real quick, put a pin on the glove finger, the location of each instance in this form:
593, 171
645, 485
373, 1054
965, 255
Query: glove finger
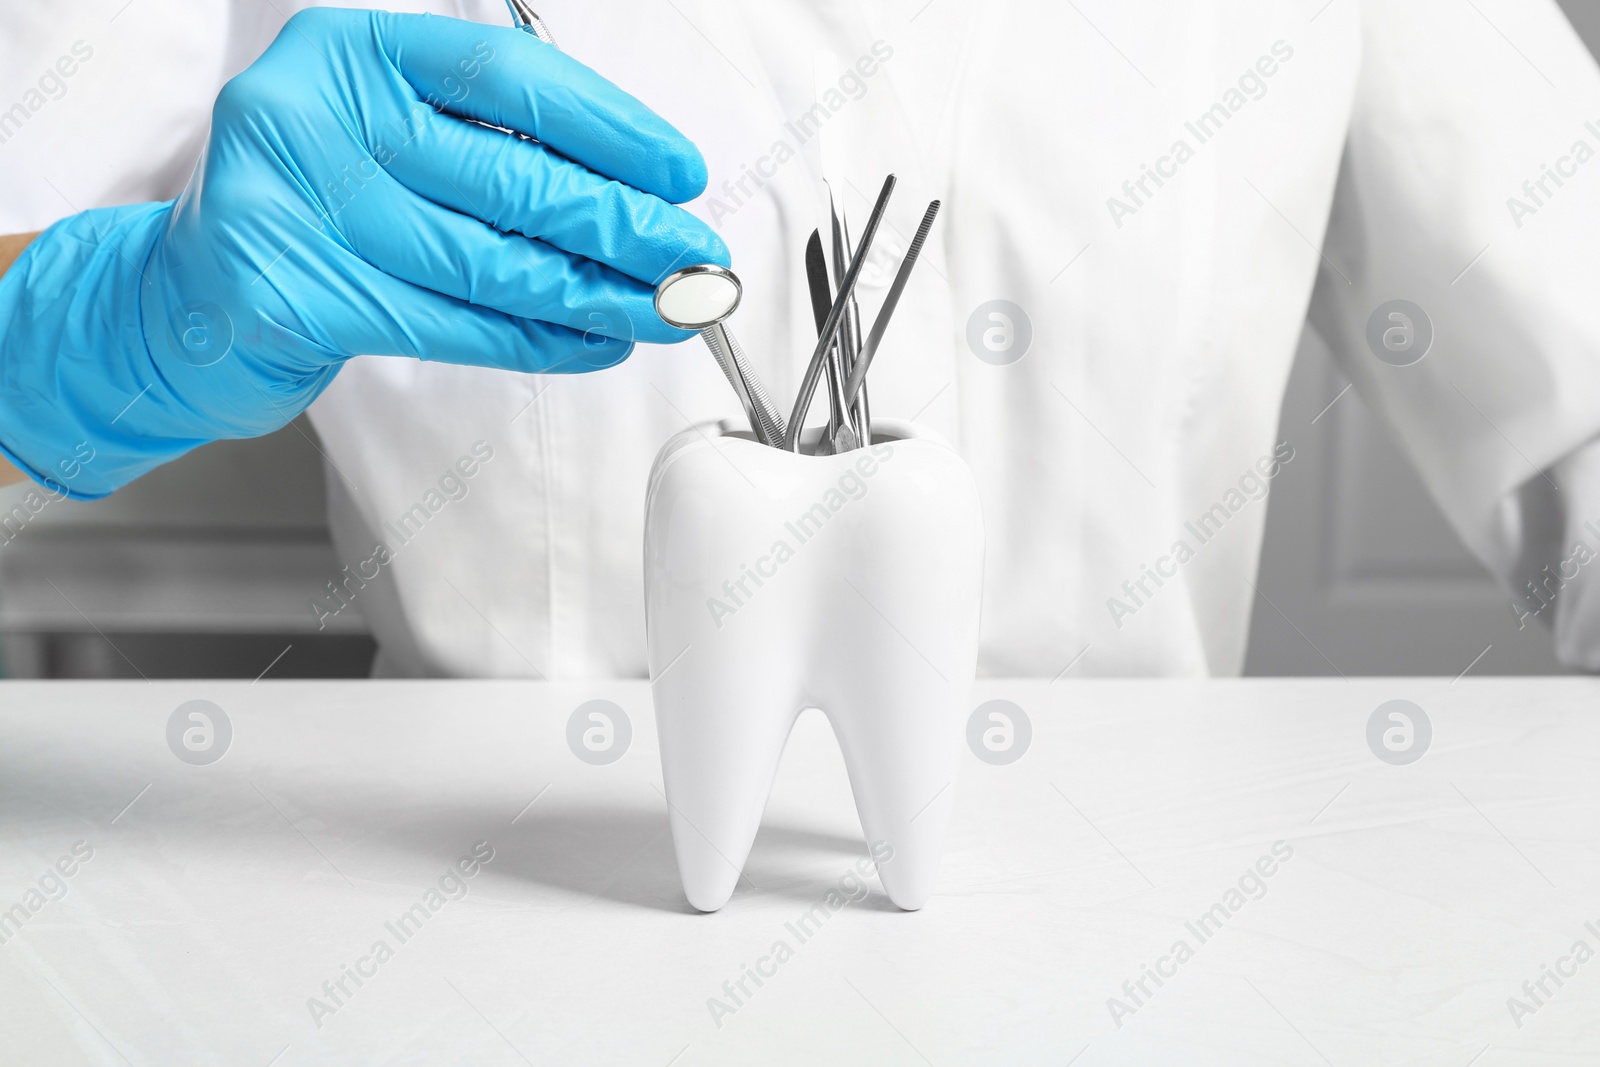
508, 78
431, 246
391, 317
518, 186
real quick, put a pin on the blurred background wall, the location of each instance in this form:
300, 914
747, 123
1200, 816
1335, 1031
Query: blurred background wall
205, 567
1360, 572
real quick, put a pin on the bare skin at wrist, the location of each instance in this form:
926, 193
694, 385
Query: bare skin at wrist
11, 246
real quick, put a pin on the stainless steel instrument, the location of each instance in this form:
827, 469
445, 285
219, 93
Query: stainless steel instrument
830, 331
703, 296
526, 20
840, 436
858, 374
700, 298
849, 346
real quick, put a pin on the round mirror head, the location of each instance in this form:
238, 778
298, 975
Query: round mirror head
699, 296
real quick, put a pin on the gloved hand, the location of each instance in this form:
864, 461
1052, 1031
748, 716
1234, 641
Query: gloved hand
347, 204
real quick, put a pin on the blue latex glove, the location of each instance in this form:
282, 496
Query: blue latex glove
346, 205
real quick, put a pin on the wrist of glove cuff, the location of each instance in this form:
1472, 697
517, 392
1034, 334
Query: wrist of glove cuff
109, 368
73, 359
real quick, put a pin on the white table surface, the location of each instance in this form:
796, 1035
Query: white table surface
1418, 898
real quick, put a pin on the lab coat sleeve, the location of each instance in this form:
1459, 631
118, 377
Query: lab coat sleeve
1470, 186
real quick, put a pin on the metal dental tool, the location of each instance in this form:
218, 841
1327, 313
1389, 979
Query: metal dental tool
695, 298
841, 435
770, 429
830, 329
840, 426
817, 281
856, 387
844, 352
700, 298
850, 329
825, 68
528, 21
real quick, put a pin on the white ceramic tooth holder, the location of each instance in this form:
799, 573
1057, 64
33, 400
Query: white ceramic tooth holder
777, 581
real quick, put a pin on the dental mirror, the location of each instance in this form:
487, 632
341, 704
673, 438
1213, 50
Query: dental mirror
697, 297
700, 298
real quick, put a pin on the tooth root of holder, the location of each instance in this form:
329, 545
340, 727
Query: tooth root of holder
780, 581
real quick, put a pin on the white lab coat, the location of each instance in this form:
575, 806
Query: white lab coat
1163, 314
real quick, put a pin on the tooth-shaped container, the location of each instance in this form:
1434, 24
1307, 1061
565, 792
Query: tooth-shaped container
777, 581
